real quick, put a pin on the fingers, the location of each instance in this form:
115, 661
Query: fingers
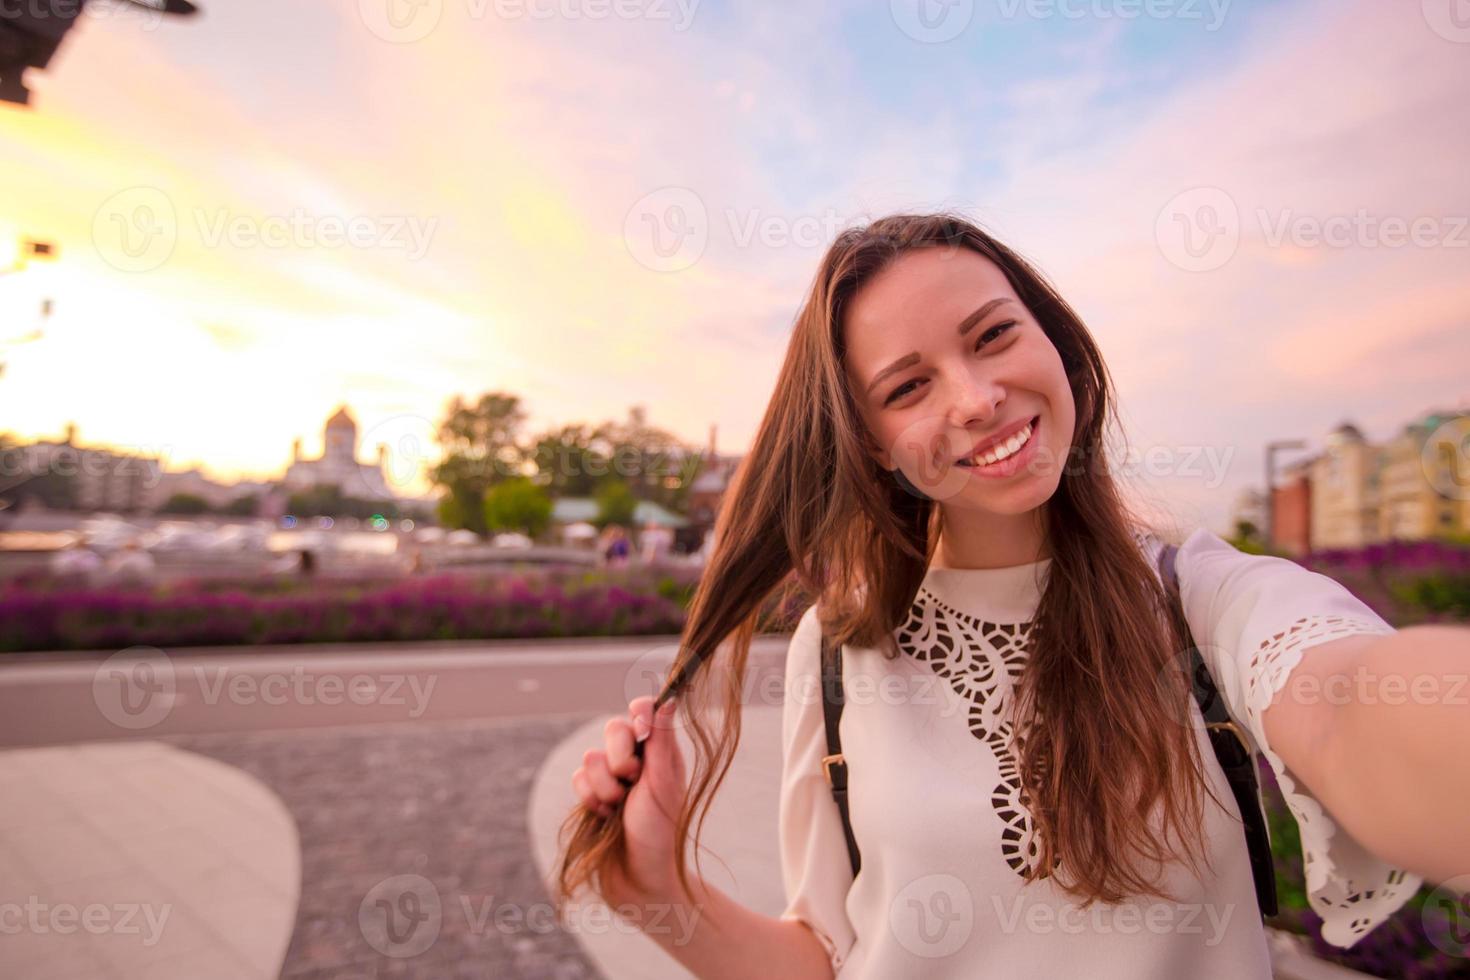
640, 711
583, 787
618, 739
603, 779
605, 785
663, 746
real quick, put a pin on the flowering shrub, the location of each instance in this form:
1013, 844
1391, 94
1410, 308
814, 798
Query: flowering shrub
40, 615
1405, 582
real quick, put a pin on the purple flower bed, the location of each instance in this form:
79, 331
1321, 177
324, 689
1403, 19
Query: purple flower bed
1405, 582
543, 602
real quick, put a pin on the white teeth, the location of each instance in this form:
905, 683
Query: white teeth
1005, 449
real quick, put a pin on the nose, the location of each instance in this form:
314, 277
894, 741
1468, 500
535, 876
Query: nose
976, 401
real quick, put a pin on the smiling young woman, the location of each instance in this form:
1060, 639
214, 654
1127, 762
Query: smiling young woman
931, 468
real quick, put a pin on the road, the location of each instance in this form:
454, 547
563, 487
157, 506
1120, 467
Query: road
141, 692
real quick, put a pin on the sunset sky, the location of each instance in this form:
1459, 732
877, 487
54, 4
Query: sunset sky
506, 163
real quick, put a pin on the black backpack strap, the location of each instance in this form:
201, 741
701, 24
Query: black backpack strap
833, 765
1232, 750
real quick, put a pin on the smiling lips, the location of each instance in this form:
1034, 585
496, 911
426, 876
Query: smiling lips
1002, 448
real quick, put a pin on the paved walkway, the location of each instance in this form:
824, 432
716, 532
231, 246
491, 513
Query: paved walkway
151, 860
414, 852
139, 860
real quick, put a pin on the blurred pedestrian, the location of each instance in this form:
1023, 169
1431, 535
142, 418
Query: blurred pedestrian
76, 560
615, 546
656, 542
130, 564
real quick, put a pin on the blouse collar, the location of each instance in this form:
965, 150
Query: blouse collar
996, 595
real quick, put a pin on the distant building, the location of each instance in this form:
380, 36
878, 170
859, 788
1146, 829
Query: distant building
1345, 490
1291, 509
68, 476
1355, 492
194, 483
338, 464
708, 489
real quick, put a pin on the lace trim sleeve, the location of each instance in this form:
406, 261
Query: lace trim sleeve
1351, 889
1255, 616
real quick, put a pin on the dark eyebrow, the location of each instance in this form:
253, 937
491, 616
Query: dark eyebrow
909, 360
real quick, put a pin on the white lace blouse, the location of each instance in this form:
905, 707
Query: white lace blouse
934, 791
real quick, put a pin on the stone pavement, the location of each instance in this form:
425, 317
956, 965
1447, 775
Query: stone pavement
394, 851
414, 850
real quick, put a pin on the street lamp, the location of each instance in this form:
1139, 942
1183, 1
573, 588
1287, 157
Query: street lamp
29, 250
1272, 448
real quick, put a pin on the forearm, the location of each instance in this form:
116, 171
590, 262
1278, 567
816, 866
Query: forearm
717, 938
1396, 767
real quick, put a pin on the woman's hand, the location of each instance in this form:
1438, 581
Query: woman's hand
650, 807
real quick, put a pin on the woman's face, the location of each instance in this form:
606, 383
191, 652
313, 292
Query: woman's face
942, 357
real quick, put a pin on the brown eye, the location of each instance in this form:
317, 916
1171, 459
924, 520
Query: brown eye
900, 391
996, 330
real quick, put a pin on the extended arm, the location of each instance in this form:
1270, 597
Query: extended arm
1377, 727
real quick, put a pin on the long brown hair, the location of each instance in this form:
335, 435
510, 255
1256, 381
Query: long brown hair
811, 512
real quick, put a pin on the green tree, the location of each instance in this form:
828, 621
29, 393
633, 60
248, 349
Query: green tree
571, 460
616, 503
481, 447
326, 500
517, 504
654, 463
185, 503
246, 506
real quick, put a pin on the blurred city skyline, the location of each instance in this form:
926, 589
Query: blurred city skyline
594, 212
